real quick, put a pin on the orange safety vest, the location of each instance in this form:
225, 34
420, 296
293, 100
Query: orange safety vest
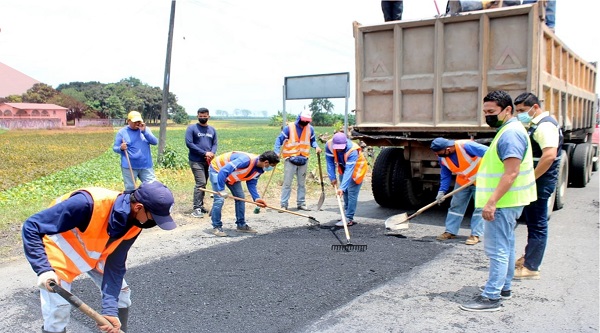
73, 252
237, 175
295, 145
360, 168
467, 164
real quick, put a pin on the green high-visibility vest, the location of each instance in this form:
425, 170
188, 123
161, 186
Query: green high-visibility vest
491, 169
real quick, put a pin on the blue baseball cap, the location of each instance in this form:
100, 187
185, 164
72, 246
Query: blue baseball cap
159, 201
441, 143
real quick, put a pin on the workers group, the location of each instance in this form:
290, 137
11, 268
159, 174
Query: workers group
91, 230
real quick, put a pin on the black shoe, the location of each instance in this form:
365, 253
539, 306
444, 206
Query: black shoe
504, 294
203, 210
480, 304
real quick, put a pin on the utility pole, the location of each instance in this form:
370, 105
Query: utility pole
162, 137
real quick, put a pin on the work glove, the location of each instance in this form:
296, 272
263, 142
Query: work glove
224, 194
115, 326
260, 203
440, 197
44, 278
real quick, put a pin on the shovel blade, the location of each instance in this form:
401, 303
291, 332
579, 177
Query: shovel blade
397, 222
321, 200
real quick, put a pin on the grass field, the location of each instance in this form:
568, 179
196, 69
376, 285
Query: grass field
40, 165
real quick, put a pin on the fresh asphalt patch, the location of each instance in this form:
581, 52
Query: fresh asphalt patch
275, 282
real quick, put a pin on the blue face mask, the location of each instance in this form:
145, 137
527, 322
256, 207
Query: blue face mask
267, 169
524, 117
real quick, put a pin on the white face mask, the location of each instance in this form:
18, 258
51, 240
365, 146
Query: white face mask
267, 169
524, 117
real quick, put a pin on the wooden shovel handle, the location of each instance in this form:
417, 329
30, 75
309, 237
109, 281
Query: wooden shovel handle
320, 172
252, 202
444, 197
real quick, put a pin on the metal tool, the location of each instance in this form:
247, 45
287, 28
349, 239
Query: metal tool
322, 197
348, 247
313, 221
400, 221
79, 304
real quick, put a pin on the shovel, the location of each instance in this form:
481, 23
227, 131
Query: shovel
79, 304
400, 221
311, 219
322, 197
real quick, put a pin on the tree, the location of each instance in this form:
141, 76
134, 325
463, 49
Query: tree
39, 93
322, 112
180, 116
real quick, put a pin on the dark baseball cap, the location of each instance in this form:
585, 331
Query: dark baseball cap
159, 201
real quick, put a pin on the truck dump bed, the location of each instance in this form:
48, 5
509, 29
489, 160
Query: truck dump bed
426, 78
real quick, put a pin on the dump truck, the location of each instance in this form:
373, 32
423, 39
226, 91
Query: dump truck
421, 79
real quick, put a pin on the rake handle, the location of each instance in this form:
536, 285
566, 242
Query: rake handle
343, 214
444, 197
252, 202
129, 164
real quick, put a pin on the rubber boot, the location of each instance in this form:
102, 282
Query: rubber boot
123, 317
44, 331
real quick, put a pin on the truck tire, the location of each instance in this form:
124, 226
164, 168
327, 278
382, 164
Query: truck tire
381, 179
408, 190
595, 157
562, 182
581, 165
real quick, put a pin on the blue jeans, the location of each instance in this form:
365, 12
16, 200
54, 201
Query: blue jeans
499, 246
458, 207
144, 175
240, 206
550, 11
392, 10
351, 199
536, 216
200, 172
289, 171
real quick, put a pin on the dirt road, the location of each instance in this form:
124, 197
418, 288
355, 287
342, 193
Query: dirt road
287, 279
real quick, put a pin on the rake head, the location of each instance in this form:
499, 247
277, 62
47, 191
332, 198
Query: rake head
348, 248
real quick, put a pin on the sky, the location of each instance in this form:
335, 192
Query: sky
227, 54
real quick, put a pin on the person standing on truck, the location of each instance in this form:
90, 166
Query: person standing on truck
347, 157
461, 158
546, 142
505, 184
201, 140
294, 142
392, 10
550, 15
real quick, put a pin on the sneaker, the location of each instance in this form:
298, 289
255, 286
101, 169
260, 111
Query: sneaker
197, 213
219, 232
520, 262
246, 228
472, 240
445, 236
480, 304
203, 210
303, 207
523, 273
349, 223
504, 294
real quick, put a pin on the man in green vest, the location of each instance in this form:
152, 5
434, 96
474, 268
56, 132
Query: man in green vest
505, 184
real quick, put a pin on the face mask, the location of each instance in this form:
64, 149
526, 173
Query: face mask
302, 123
147, 225
493, 121
267, 169
202, 120
524, 117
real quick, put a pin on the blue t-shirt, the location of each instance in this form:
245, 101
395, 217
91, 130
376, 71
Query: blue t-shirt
200, 140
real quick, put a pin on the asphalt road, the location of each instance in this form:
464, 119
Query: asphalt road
287, 278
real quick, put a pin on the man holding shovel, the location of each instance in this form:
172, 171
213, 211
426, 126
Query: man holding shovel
347, 157
461, 158
230, 169
91, 231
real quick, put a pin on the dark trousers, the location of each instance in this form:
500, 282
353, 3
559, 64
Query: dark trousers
392, 10
200, 171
